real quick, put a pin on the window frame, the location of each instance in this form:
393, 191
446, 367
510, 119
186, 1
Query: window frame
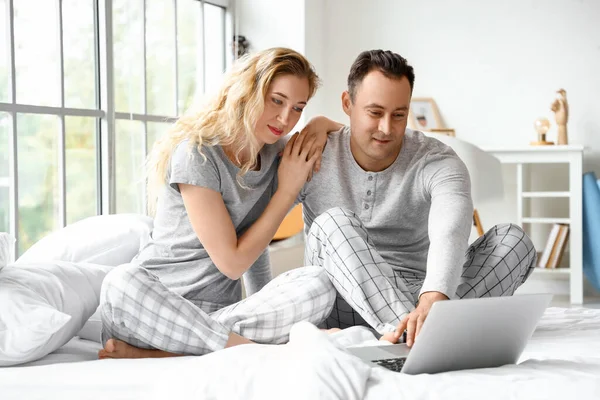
104, 113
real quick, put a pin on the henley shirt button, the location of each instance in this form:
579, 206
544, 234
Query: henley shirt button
370, 177
368, 192
366, 206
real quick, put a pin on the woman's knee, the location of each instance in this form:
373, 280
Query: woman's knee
120, 282
121, 288
308, 273
321, 275
316, 272
315, 276
121, 276
321, 287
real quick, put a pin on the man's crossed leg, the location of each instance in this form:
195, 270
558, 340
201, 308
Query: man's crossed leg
373, 293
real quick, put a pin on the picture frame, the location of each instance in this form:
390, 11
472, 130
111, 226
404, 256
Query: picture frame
444, 131
424, 115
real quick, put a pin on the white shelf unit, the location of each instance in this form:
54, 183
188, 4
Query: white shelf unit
572, 155
545, 194
553, 271
526, 220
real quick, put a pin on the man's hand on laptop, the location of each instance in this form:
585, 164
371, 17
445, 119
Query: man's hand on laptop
413, 322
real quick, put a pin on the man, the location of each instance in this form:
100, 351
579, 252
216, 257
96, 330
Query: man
389, 215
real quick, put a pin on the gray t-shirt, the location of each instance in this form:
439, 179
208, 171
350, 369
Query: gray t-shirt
175, 254
418, 211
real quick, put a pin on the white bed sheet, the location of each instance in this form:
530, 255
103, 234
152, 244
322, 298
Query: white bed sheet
562, 360
75, 350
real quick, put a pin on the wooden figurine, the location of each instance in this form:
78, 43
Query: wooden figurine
541, 126
561, 113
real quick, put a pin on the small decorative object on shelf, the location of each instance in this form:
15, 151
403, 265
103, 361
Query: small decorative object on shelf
560, 106
240, 46
541, 126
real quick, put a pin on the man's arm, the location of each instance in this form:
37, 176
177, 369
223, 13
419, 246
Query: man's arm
450, 219
446, 180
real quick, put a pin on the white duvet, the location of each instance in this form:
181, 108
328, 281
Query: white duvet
562, 361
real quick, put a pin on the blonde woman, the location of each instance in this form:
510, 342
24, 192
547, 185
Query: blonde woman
221, 182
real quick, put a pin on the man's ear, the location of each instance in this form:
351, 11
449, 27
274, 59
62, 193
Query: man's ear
346, 103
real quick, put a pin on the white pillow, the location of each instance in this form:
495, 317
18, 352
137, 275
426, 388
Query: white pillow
43, 306
103, 239
92, 330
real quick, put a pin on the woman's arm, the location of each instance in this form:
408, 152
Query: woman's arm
259, 274
322, 123
320, 127
215, 230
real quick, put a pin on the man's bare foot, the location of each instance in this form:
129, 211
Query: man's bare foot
118, 349
236, 340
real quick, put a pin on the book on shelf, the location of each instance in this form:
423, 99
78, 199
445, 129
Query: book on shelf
545, 256
559, 247
555, 246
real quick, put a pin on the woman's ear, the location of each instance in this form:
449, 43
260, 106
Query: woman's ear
346, 103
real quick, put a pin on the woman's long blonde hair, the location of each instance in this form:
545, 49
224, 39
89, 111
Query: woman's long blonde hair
228, 118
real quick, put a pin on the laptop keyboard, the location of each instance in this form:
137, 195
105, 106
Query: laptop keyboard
393, 364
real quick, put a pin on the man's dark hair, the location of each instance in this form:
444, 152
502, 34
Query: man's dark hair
392, 65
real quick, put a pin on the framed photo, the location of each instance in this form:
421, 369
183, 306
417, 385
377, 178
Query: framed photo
444, 131
424, 115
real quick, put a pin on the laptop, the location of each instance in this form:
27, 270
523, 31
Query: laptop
464, 334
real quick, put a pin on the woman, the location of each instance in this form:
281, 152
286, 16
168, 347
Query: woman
222, 189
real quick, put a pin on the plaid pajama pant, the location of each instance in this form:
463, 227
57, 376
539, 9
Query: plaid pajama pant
370, 292
139, 309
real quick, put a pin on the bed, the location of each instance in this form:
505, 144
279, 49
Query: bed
49, 295
562, 360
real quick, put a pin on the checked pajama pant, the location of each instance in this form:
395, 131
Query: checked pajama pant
373, 293
140, 310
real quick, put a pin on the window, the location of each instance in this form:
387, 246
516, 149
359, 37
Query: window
5, 160
57, 93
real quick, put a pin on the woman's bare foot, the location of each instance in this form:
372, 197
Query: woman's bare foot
236, 340
118, 349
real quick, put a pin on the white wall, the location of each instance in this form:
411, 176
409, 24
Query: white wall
492, 66
315, 49
271, 23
